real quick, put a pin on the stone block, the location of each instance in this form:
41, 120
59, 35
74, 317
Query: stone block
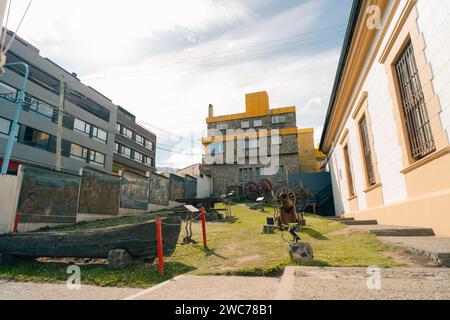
120, 259
301, 251
269, 229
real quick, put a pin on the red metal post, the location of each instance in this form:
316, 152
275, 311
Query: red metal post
160, 247
205, 244
314, 208
16, 223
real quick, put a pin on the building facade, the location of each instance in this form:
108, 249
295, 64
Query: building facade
244, 146
387, 128
89, 118
135, 146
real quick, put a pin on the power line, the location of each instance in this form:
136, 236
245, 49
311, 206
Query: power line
220, 57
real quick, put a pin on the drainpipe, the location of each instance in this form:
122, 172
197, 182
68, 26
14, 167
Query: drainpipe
19, 101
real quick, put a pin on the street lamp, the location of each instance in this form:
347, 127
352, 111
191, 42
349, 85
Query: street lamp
19, 101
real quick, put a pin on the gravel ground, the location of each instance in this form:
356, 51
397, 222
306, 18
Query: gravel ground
351, 284
46, 291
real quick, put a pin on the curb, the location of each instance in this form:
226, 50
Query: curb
286, 287
158, 286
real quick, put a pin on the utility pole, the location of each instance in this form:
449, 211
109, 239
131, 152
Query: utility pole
62, 93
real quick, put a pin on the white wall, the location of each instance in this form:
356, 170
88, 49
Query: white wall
204, 187
434, 19
434, 23
9, 196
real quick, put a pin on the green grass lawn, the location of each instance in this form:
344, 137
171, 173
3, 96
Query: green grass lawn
237, 248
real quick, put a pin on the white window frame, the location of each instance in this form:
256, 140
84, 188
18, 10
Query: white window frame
279, 119
257, 123
245, 124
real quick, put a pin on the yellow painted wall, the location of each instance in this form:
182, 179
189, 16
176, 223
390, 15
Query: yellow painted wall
306, 153
428, 211
256, 105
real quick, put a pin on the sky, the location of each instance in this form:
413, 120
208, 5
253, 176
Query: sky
166, 61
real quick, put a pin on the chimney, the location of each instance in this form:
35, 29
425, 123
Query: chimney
211, 111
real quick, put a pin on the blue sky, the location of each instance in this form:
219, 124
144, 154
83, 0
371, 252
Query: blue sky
166, 61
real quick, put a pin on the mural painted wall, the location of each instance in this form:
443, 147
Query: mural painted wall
99, 193
190, 187
159, 189
47, 196
176, 187
134, 192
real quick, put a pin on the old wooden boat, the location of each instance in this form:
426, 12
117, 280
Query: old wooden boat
138, 239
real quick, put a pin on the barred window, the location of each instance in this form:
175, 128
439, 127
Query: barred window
348, 169
367, 150
414, 108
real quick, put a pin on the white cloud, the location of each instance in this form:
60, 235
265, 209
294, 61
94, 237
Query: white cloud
171, 89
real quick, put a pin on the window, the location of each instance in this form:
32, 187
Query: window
216, 147
118, 128
5, 126
127, 132
348, 169
278, 119
116, 147
36, 138
39, 107
222, 126
149, 161
367, 152
245, 124
7, 92
276, 139
97, 158
139, 157
100, 135
414, 109
149, 144
82, 126
257, 123
36, 75
87, 104
139, 139
126, 152
78, 152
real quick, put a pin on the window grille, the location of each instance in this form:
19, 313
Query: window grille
367, 150
414, 107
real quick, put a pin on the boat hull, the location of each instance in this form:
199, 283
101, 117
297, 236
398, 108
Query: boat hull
138, 239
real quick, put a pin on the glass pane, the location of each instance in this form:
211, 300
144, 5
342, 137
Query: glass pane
5, 125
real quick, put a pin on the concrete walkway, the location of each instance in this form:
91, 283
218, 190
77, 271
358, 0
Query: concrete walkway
352, 284
297, 283
59, 291
435, 248
212, 288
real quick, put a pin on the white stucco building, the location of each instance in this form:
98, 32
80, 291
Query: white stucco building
387, 127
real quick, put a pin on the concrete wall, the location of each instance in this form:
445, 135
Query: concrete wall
204, 186
9, 196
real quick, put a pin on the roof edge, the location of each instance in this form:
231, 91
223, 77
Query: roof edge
354, 14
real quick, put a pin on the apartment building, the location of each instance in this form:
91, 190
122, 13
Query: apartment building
89, 118
387, 128
259, 124
135, 146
